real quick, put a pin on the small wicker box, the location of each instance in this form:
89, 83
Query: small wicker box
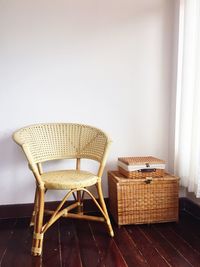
137, 201
140, 167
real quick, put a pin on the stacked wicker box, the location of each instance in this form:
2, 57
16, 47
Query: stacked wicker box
140, 167
143, 200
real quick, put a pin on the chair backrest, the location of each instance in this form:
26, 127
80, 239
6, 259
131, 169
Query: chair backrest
62, 141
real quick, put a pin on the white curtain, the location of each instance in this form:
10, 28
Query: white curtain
187, 139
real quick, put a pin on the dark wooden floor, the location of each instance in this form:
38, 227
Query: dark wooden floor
79, 243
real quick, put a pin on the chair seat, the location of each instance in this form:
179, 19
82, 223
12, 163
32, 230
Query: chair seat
68, 179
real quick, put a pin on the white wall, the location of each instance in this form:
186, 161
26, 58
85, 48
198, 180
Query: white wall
106, 63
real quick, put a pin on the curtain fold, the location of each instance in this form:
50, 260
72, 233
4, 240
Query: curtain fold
187, 141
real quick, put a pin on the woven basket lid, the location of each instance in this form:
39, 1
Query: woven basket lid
141, 160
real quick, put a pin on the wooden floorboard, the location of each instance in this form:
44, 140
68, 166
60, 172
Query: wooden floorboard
51, 247
164, 247
179, 244
110, 254
89, 250
18, 248
128, 248
147, 247
188, 229
75, 243
6, 233
70, 250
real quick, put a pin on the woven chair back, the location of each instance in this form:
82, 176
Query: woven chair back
62, 140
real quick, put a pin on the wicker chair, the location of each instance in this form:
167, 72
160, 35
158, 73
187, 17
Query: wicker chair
55, 141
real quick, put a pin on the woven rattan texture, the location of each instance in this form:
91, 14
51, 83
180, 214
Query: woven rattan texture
62, 140
68, 179
137, 202
140, 174
140, 160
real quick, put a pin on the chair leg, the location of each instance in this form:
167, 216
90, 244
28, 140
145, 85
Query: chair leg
32, 222
103, 205
38, 234
80, 207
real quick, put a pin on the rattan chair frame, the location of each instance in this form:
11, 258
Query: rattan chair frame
54, 141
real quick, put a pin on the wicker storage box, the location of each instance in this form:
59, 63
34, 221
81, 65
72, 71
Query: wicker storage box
140, 167
137, 201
